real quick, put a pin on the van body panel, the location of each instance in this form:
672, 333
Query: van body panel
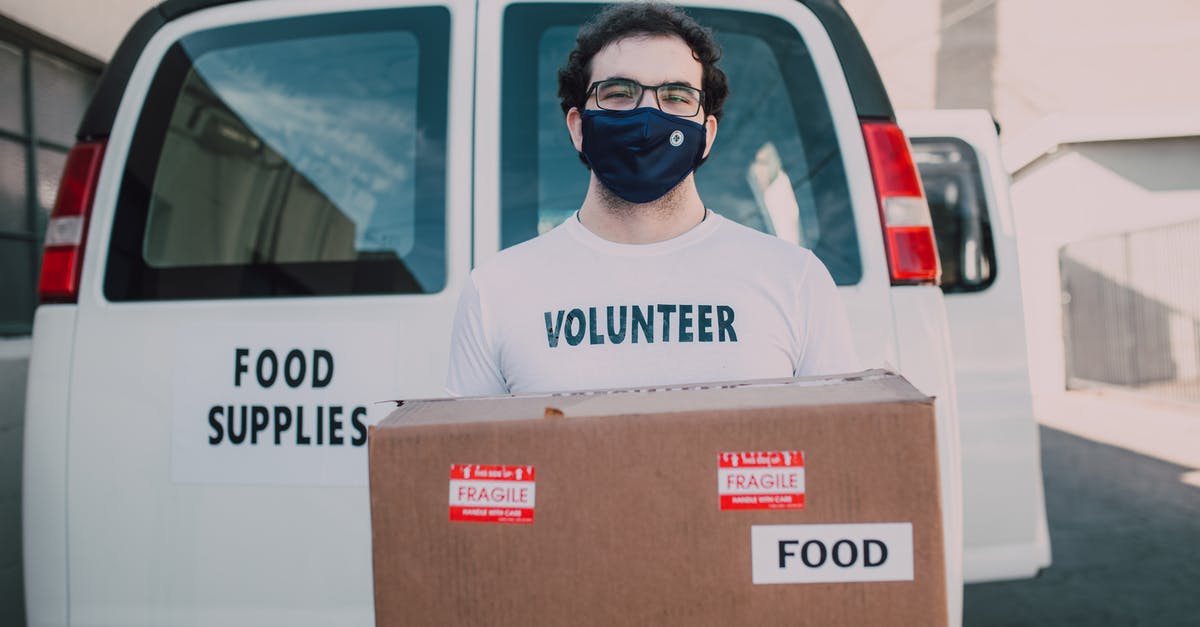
924, 348
170, 532
1005, 529
44, 472
862, 77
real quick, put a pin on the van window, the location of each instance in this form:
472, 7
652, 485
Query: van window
950, 174
294, 157
776, 165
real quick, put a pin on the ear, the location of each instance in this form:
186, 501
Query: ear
710, 133
575, 127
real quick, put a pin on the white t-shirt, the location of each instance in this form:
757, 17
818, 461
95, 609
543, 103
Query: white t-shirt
569, 310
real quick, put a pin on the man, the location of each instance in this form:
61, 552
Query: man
644, 285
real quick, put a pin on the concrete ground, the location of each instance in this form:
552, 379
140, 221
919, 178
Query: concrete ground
1150, 424
1124, 525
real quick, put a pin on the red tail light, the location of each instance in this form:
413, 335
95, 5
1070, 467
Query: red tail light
67, 230
908, 229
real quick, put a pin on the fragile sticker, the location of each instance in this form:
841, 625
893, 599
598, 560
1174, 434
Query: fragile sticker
493, 494
761, 480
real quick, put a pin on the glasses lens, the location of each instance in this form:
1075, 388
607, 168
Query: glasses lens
618, 95
679, 100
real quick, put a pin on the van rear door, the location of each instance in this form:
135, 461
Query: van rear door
958, 156
275, 245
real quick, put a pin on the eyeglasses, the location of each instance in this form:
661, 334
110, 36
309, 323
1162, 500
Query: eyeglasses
619, 94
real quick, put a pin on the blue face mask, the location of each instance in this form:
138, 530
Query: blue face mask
641, 154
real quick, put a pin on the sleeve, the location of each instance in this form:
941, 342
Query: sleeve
828, 344
473, 370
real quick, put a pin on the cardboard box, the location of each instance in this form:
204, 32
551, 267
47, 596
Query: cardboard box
769, 503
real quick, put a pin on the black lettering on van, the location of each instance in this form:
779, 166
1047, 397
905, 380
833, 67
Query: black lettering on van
335, 425
360, 429
320, 356
214, 421
301, 439
260, 419
264, 357
239, 365
236, 437
294, 356
283, 422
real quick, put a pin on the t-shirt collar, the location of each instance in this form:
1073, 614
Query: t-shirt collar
693, 235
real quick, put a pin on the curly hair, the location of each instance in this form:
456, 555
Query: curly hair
619, 21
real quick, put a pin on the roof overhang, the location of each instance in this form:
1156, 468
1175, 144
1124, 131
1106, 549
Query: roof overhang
1053, 132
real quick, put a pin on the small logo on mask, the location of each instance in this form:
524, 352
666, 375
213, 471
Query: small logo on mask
676, 138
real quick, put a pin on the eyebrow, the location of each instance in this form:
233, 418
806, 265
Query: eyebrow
685, 83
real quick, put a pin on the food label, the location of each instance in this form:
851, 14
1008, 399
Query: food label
782, 554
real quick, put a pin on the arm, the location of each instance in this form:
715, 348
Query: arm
828, 344
473, 370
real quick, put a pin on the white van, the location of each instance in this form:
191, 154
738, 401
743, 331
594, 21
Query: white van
264, 228
1004, 508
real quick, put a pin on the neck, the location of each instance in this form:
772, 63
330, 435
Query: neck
617, 220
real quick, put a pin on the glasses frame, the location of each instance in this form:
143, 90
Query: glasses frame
658, 103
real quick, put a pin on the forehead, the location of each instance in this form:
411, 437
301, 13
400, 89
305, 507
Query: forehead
648, 59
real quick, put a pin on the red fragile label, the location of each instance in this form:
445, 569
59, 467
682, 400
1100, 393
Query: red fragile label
497, 494
761, 480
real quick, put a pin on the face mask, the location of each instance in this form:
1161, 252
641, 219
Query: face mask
643, 153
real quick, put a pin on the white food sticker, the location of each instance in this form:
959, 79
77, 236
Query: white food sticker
831, 553
279, 404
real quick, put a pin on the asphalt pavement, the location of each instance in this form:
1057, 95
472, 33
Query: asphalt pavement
1125, 535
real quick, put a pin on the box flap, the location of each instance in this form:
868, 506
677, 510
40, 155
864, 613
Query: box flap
871, 386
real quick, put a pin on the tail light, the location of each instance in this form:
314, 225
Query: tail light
908, 229
67, 229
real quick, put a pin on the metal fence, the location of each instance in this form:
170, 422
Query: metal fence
1131, 311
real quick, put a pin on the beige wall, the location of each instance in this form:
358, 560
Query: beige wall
1096, 56
92, 26
1050, 56
1023, 59
903, 38
1087, 191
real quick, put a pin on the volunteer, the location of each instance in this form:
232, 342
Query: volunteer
644, 285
